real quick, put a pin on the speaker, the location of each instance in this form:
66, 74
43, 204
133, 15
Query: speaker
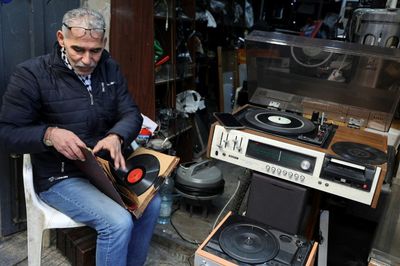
277, 203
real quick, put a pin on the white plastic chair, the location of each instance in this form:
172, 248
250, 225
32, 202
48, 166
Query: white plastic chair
39, 216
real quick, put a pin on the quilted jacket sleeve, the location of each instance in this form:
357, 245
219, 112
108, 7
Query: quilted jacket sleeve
20, 129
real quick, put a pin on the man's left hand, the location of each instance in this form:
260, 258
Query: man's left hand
112, 143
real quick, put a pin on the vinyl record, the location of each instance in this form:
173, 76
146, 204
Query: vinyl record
248, 243
279, 122
142, 172
310, 57
359, 152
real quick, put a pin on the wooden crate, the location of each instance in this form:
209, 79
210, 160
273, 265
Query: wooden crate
78, 245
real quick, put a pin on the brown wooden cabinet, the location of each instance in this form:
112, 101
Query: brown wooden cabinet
135, 25
131, 44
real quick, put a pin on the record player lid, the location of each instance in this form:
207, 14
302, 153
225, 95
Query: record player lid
351, 83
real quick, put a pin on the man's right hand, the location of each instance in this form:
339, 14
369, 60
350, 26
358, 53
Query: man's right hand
66, 143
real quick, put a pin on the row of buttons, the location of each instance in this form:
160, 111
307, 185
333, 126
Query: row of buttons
279, 171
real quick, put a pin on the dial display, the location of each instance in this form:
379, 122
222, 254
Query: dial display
289, 159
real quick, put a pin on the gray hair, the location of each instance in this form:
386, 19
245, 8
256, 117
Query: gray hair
94, 19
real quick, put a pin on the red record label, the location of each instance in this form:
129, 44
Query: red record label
135, 175
142, 172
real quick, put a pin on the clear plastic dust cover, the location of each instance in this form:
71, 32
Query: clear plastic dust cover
350, 83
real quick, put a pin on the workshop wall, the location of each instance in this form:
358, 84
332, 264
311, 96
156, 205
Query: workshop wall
27, 29
104, 7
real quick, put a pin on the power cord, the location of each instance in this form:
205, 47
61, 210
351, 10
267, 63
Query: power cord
193, 242
226, 205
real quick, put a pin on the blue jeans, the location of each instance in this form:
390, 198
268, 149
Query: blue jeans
121, 238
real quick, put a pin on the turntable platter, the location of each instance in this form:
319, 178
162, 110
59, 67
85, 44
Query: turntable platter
359, 152
248, 243
279, 122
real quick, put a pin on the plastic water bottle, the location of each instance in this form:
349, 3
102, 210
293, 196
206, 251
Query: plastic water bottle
166, 192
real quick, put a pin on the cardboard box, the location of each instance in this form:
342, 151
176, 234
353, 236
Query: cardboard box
99, 172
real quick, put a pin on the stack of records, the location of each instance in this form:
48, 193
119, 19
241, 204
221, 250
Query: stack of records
133, 189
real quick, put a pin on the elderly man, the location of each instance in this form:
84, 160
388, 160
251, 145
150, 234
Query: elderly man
76, 97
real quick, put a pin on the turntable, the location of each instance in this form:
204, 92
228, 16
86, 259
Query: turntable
239, 240
307, 125
299, 158
286, 124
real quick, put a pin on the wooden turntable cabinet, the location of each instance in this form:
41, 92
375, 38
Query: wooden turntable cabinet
356, 173
238, 239
310, 103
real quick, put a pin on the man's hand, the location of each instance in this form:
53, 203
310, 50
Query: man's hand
112, 143
66, 143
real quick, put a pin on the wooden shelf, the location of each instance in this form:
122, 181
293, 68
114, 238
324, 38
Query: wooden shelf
169, 40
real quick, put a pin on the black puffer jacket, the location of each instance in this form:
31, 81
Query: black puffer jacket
43, 92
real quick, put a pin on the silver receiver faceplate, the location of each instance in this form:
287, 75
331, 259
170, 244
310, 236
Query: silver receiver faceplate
283, 160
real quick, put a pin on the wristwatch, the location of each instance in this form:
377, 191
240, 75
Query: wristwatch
48, 142
46, 138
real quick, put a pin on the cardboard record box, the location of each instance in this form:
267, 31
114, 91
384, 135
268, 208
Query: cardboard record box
133, 189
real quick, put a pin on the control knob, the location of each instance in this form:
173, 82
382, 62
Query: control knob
305, 165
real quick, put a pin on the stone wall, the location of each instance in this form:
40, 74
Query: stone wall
104, 7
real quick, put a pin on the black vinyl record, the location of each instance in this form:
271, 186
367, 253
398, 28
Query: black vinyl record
310, 57
142, 172
248, 243
279, 122
359, 152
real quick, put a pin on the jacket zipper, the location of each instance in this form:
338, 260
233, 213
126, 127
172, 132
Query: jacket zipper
91, 98
90, 93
